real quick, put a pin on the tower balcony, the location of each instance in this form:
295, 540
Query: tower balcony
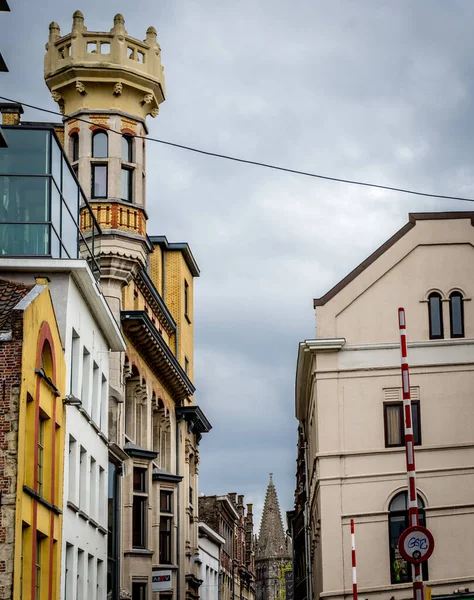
40, 198
113, 215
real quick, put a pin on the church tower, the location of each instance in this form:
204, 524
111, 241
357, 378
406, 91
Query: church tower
273, 551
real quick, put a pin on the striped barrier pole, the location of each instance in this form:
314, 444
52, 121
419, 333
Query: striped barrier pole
354, 570
409, 449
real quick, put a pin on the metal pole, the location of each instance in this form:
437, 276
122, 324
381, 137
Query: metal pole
409, 449
354, 570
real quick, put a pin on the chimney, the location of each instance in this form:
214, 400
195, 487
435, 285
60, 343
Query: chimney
232, 496
11, 113
240, 500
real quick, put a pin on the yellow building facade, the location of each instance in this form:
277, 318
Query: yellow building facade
31, 345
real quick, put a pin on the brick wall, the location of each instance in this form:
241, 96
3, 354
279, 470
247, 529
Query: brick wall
10, 381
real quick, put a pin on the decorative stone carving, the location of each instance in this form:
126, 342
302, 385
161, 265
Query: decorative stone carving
147, 99
118, 88
59, 99
81, 88
154, 112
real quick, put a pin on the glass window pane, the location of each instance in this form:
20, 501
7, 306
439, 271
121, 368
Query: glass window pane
24, 240
393, 424
69, 235
399, 502
74, 145
436, 318
99, 181
126, 185
139, 523
27, 152
165, 501
415, 416
24, 199
56, 162
70, 190
127, 148
456, 310
100, 145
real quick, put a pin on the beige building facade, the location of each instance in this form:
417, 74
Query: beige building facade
348, 403
106, 85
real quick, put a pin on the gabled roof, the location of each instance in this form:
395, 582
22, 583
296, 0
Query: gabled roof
412, 219
11, 292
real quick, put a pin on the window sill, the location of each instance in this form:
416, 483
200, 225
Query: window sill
139, 552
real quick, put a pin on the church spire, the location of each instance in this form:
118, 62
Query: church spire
271, 540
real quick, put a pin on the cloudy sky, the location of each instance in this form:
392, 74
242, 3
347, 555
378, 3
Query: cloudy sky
375, 90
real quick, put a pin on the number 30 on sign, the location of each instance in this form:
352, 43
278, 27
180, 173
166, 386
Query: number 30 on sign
416, 544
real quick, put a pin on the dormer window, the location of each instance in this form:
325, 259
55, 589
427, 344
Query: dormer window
435, 313
456, 314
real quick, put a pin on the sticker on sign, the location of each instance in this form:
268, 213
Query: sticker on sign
416, 544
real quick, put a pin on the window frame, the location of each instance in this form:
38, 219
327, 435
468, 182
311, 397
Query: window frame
186, 301
433, 336
93, 167
416, 431
40, 458
392, 514
139, 510
95, 135
456, 294
74, 141
129, 171
129, 139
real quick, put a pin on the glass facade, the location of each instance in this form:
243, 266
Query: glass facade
40, 198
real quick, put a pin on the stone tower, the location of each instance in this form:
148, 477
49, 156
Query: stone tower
273, 552
106, 84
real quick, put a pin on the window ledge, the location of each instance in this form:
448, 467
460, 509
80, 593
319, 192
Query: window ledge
41, 500
139, 552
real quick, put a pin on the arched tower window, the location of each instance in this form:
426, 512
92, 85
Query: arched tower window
74, 142
100, 145
100, 150
400, 569
435, 313
127, 169
456, 314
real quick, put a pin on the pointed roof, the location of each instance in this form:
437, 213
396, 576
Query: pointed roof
271, 540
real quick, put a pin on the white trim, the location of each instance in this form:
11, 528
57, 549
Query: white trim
321, 345
210, 533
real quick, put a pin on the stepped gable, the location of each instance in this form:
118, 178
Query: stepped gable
271, 540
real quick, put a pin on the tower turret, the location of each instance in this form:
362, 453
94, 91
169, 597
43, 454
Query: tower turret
106, 84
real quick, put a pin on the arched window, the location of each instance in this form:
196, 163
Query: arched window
74, 141
400, 569
456, 314
435, 312
127, 148
100, 145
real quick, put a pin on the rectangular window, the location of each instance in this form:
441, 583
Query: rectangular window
186, 365
75, 364
100, 579
90, 576
99, 181
80, 580
86, 376
72, 468
165, 540
127, 179
40, 476
39, 544
393, 423
140, 499
83, 480
96, 389
93, 490
166, 499
69, 571
186, 299
104, 402
139, 591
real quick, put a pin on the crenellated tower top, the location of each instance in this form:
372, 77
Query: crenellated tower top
90, 70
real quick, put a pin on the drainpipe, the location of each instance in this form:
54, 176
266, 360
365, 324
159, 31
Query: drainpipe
178, 488
307, 537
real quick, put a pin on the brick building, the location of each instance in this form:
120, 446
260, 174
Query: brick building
226, 516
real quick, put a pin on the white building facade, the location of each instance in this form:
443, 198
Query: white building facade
348, 403
210, 543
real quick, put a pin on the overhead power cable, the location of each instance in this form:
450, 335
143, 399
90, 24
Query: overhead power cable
253, 162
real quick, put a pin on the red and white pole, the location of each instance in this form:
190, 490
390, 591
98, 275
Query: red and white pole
354, 570
409, 449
